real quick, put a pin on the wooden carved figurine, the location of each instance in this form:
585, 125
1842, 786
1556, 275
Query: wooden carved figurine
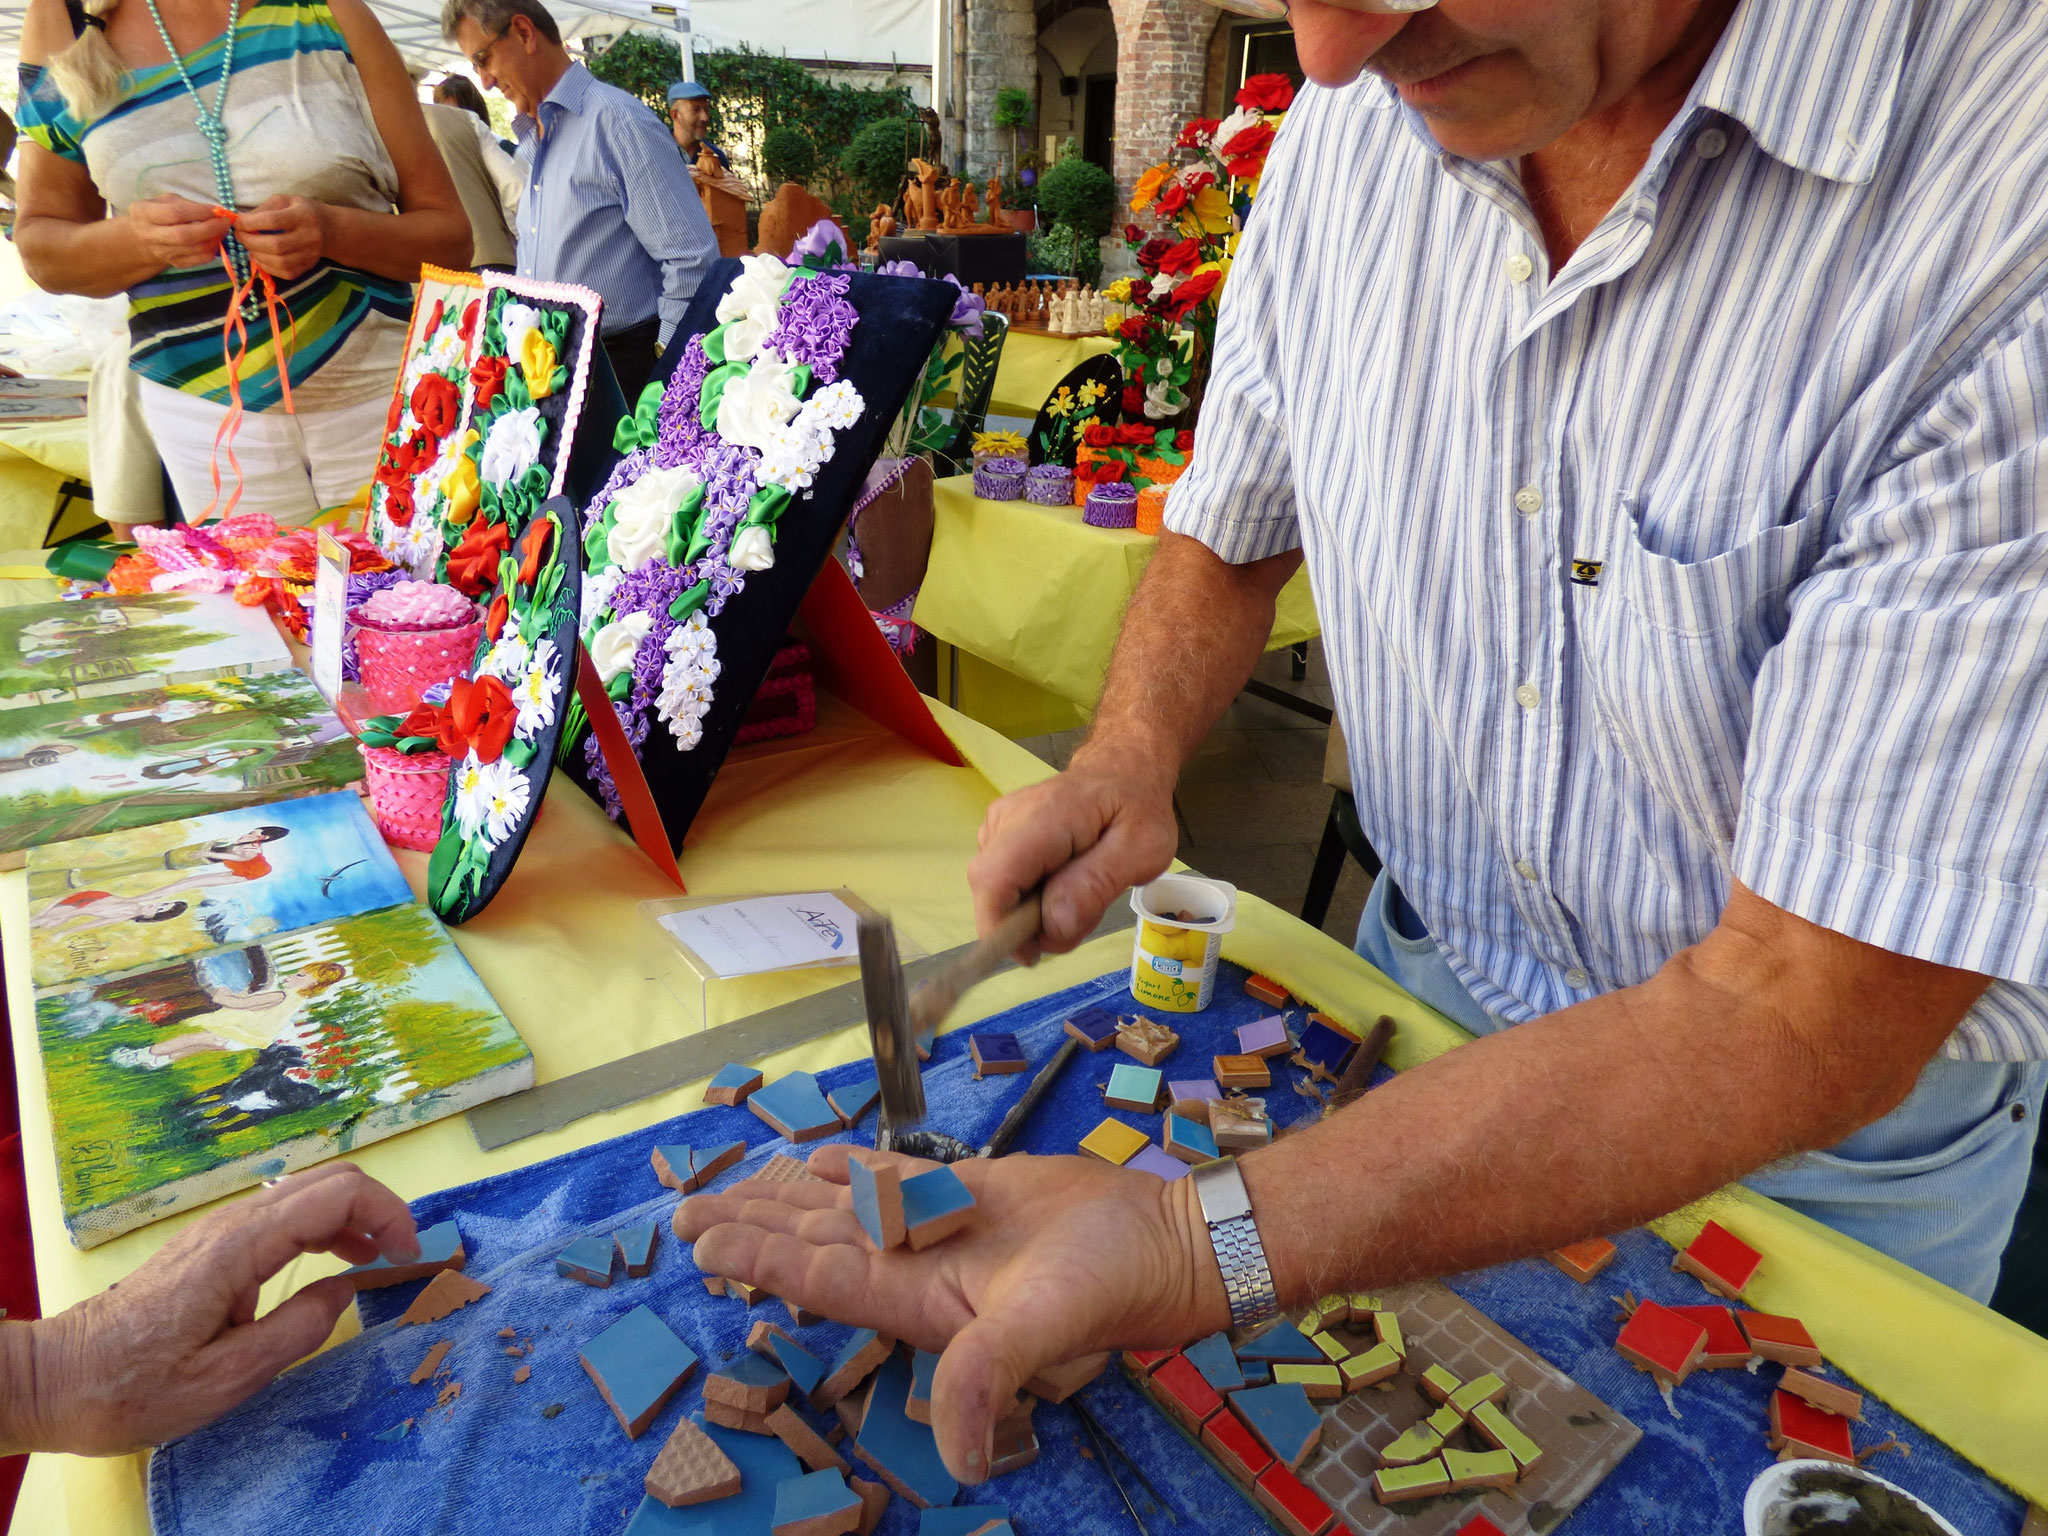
922, 200
995, 201
949, 207
725, 202
970, 204
881, 225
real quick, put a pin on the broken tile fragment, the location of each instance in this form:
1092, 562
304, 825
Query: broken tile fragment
810, 1447
1057, 1383
638, 1364
795, 1107
588, 1259
1583, 1260
1831, 1396
1283, 1418
902, 1451
853, 1100
858, 1358
1399, 1485
691, 1469
936, 1204
748, 1383
732, 1083
449, 1291
1240, 1124
440, 1248
876, 1184
1720, 1261
636, 1248
432, 1362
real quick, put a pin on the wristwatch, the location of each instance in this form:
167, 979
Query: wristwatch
1227, 1208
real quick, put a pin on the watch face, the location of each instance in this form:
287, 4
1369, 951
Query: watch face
1220, 1188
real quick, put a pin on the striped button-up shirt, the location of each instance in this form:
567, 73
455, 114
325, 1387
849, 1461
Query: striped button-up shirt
1720, 553
610, 204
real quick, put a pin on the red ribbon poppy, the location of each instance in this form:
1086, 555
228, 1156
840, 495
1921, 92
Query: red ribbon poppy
436, 403
1184, 440
1266, 93
482, 714
1134, 434
1134, 400
533, 549
468, 326
1245, 154
1184, 257
398, 507
391, 416
495, 616
474, 564
432, 722
488, 375
1173, 199
1191, 293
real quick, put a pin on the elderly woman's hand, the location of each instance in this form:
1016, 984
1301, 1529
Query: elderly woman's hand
178, 1342
177, 232
285, 235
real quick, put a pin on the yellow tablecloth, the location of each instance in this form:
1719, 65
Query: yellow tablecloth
1032, 366
847, 804
1034, 597
35, 459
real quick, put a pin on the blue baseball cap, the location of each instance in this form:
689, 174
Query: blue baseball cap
687, 90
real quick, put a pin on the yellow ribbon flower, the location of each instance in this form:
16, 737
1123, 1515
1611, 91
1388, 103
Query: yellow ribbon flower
1211, 210
1092, 391
537, 362
1118, 292
1061, 403
462, 488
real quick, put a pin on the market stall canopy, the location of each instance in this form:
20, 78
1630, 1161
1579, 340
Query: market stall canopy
829, 31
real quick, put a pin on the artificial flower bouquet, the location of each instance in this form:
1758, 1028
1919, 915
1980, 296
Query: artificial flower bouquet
1165, 344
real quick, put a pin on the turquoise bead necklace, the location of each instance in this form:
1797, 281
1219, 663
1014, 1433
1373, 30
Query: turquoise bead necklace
213, 129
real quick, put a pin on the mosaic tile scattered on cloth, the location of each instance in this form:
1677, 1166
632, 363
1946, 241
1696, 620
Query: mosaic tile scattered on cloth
279, 1465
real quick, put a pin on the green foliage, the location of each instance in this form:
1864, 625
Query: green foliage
643, 64
1014, 107
1062, 248
787, 154
878, 159
1078, 193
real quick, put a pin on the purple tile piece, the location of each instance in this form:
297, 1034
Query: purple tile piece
1180, 1090
1153, 1159
1261, 1035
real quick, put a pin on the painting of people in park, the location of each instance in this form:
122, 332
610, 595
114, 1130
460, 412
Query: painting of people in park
51, 652
98, 905
176, 1085
164, 754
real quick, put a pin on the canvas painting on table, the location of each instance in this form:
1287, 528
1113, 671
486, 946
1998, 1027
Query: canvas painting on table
185, 749
106, 645
173, 1086
98, 905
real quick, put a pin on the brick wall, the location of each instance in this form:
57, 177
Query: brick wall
1162, 61
1002, 50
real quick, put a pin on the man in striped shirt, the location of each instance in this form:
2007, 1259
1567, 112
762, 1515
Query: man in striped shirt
1656, 390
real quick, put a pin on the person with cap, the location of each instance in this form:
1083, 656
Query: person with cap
689, 116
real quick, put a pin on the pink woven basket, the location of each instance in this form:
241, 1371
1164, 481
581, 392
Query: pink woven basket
400, 665
407, 794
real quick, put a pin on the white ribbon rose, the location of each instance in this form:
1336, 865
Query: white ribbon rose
515, 320
613, 648
750, 307
512, 446
752, 550
754, 406
642, 512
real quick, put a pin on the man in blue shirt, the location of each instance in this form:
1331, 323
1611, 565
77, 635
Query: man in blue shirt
608, 202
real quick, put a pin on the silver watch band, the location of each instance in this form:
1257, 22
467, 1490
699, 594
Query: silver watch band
1227, 1208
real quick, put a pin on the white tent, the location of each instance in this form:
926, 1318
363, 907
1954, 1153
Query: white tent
845, 32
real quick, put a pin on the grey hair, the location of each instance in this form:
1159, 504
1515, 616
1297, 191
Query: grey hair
494, 16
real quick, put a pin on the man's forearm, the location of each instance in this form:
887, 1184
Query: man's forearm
1195, 628
1593, 1119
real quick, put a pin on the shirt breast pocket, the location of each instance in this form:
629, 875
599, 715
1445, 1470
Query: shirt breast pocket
1672, 649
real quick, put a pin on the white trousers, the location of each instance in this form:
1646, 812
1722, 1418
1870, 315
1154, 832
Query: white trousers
293, 466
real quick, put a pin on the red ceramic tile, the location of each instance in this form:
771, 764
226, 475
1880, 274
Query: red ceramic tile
1727, 1344
1291, 1499
1663, 1338
1183, 1386
1794, 1418
1786, 1332
1146, 1361
1727, 1257
1237, 1447
1479, 1525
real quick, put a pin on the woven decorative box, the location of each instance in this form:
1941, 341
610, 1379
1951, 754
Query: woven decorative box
786, 704
1085, 460
407, 794
1049, 485
999, 479
1159, 472
410, 638
1114, 505
1151, 509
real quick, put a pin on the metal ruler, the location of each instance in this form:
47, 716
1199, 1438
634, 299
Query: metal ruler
566, 1100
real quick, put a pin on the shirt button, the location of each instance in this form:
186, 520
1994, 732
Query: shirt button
1527, 696
1528, 501
1577, 979
1710, 144
1519, 268
1525, 869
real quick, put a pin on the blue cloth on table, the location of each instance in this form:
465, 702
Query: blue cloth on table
279, 1465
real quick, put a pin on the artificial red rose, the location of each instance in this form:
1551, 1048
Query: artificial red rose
1198, 132
1245, 154
1134, 435
495, 616
1141, 290
436, 403
483, 714
473, 565
391, 416
1097, 435
394, 465
434, 317
1134, 327
1184, 440
1266, 93
432, 722
488, 375
1173, 200
1133, 234
1192, 292
398, 508
1152, 250
468, 326
533, 549
422, 450
1184, 257
1134, 400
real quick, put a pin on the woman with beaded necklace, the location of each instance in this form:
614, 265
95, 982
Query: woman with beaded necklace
302, 118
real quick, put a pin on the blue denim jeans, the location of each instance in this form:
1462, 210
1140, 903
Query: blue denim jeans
1935, 1183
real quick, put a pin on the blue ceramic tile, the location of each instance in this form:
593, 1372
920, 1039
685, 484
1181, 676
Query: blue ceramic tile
855, 1099
899, 1442
1213, 1358
805, 1369
636, 1244
996, 1049
1283, 1342
437, 1245
734, 1074
751, 1370
588, 1259
931, 1195
640, 1360
867, 1200
924, 1365
796, 1104
703, 1159
1192, 1134
1325, 1047
959, 1519
810, 1495
1098, 1024
1281, 1416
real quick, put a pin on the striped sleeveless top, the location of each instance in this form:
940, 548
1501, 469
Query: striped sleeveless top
299, 124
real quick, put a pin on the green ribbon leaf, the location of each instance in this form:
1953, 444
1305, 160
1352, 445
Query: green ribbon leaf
643, 427
412, 746
714, 392
620, 685
596, 548
684, 525
714, 344
690, 601
518, 753
765, 506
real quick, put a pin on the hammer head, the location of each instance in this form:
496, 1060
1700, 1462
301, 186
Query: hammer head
889, 1029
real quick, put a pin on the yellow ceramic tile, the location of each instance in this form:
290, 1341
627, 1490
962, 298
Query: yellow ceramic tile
1114, 1142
